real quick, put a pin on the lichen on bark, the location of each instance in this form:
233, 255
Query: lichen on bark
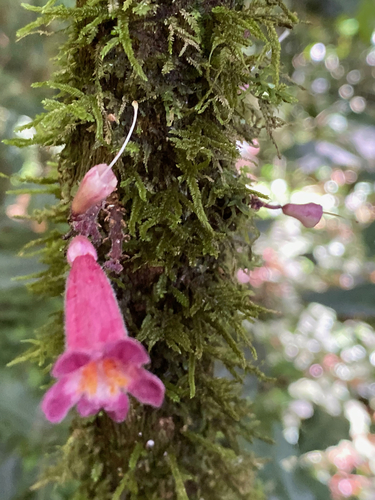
205, 74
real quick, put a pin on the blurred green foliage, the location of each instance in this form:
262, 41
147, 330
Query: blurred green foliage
321, 347
25, 436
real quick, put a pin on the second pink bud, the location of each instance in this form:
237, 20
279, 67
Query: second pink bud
98, 183
309, 214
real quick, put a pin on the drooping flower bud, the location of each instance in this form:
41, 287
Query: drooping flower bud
100, 181
309, 214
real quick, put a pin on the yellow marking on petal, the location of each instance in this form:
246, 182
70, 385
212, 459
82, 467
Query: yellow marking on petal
89, 379
115, 376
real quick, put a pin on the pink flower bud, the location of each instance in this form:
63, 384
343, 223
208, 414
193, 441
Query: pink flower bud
98, 183
80, 246
309, 214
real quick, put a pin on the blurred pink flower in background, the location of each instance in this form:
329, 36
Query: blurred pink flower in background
243, 276
248, 155
271, 270
344, 456
346, 485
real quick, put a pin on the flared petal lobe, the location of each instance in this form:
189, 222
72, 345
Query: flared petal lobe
70, 362
59, 399
128, 351
147, 388
101, 381
97, 184
86, 407
118, 409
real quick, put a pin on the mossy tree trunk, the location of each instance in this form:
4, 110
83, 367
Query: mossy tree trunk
205, 74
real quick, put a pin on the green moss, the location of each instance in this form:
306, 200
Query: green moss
189, 224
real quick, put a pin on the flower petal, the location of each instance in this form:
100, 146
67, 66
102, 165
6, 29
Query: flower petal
118, 409
79, 246
58, 400
98, 183
86, 407
309, 214
147, 388
128, 351
92, 314
70, 362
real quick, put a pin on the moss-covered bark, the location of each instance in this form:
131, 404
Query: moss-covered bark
205, 74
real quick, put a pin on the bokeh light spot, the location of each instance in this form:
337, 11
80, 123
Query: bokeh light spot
316, 370
279, 187
346, 281
336, 248
331, 187
357, 104
337, 122
332, 62
348, 27
353, 76
370, 59
346, 91
318, 52
320, 85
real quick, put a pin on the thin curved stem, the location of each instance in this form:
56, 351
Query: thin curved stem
135, 106
335, 215
272, 207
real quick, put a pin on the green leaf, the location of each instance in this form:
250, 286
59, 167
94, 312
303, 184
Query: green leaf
124, 36
358, 301
180, 487
192, 375
366, 18
322, 430
113, 42
283, 477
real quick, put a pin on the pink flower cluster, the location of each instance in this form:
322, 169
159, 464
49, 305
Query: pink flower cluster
101, 364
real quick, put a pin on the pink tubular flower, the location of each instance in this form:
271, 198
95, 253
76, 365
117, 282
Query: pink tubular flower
100, 181
309, 214
101, 363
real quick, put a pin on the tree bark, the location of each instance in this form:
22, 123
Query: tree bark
195, 68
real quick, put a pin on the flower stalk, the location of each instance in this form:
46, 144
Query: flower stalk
309, 214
